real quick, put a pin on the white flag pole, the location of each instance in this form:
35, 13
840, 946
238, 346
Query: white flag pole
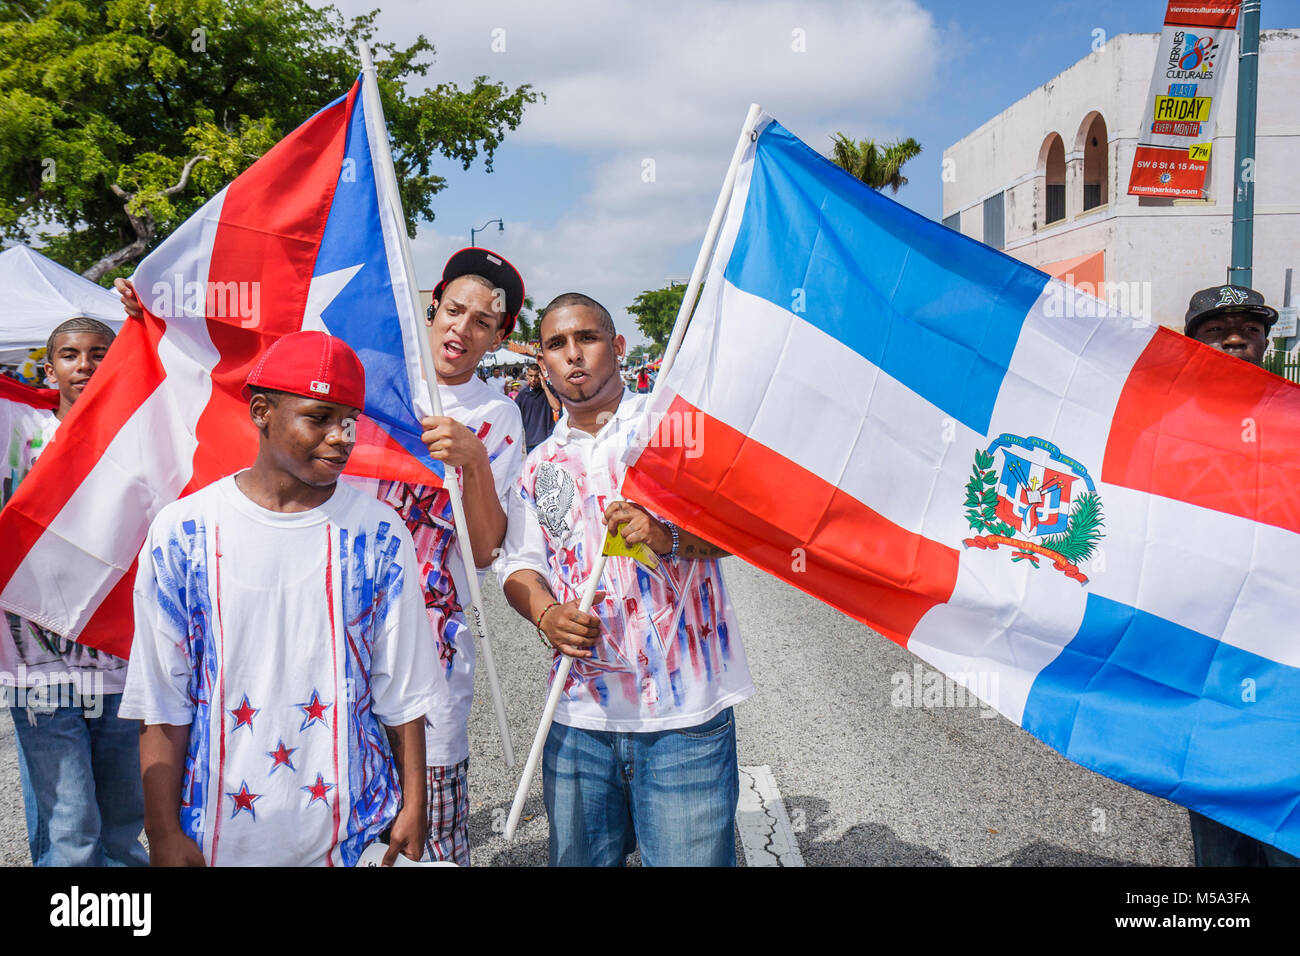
378, 133
670, 353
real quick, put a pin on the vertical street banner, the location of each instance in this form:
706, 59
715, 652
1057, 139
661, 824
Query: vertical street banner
1174, 139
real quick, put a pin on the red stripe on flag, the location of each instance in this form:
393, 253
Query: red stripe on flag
761, 506
129, 374
272, 221
1199, 427
112, 626
15, 391
378, 455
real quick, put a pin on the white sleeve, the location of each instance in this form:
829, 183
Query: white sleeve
401, 660
159, 670
508, 465
525, 547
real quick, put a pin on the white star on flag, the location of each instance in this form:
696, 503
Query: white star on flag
323, 290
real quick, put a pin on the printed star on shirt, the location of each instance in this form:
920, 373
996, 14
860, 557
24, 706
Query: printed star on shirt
281, 756
448, 652
314, 709
244, 800
318, 790
569, 558
243, 715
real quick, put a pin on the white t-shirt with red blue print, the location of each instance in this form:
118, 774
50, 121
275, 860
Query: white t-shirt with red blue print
286, 642
670, 653
427, 513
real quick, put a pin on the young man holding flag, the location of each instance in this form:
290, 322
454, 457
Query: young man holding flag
474, 308
643, 748
1235, 320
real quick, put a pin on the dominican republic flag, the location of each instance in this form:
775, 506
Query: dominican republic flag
306, 238
894, 417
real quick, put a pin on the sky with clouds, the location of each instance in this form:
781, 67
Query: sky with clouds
670, 82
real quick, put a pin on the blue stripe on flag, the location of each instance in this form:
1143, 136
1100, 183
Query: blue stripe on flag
931, 308
1178, 714
364, 313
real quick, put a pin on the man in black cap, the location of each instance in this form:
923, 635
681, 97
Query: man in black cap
1232, 319
474, 308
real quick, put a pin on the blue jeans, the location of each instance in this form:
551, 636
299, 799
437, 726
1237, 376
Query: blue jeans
1217, 845
81, 785
673, 793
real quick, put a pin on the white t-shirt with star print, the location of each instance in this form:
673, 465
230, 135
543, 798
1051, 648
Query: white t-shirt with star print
285, 642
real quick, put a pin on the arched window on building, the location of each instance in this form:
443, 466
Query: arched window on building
1092, 142
1051, 161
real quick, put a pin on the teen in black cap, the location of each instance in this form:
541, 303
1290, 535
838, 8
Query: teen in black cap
1232, 319
476, 261
480, 435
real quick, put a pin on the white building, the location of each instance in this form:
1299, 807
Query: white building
1046, 180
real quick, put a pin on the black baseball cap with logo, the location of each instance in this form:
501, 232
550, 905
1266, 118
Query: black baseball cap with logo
496, 269
1219, 299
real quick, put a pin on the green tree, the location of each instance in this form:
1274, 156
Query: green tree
119, 119
656, 311
639, 355
877, 166
527, 326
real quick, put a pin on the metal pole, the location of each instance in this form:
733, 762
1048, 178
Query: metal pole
1243, 203
1289, 343
378, 133
483, 228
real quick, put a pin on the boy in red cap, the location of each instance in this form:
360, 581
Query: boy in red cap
281, 646
475, 306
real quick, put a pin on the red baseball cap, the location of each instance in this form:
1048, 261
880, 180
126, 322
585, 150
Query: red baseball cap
313, 365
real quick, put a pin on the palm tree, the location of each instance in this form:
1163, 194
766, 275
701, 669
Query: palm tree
876, 166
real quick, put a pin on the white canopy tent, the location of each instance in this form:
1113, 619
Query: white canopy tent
504, 356
38, 295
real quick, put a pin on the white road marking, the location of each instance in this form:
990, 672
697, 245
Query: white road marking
765, 831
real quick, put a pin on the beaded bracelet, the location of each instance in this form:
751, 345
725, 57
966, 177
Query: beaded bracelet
538, 624
672, 529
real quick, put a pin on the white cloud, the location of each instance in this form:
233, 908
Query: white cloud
671, 81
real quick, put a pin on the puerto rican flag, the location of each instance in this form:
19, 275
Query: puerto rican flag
852, 368
306, 238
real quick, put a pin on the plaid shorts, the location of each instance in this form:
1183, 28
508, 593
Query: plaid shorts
449, 813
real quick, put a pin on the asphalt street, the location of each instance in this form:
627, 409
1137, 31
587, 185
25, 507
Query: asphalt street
864, 782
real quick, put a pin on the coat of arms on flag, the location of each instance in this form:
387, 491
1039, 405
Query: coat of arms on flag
1041, 503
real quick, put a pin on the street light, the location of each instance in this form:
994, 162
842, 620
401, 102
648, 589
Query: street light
501, 227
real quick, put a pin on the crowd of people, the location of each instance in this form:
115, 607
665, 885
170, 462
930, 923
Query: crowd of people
302, 668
